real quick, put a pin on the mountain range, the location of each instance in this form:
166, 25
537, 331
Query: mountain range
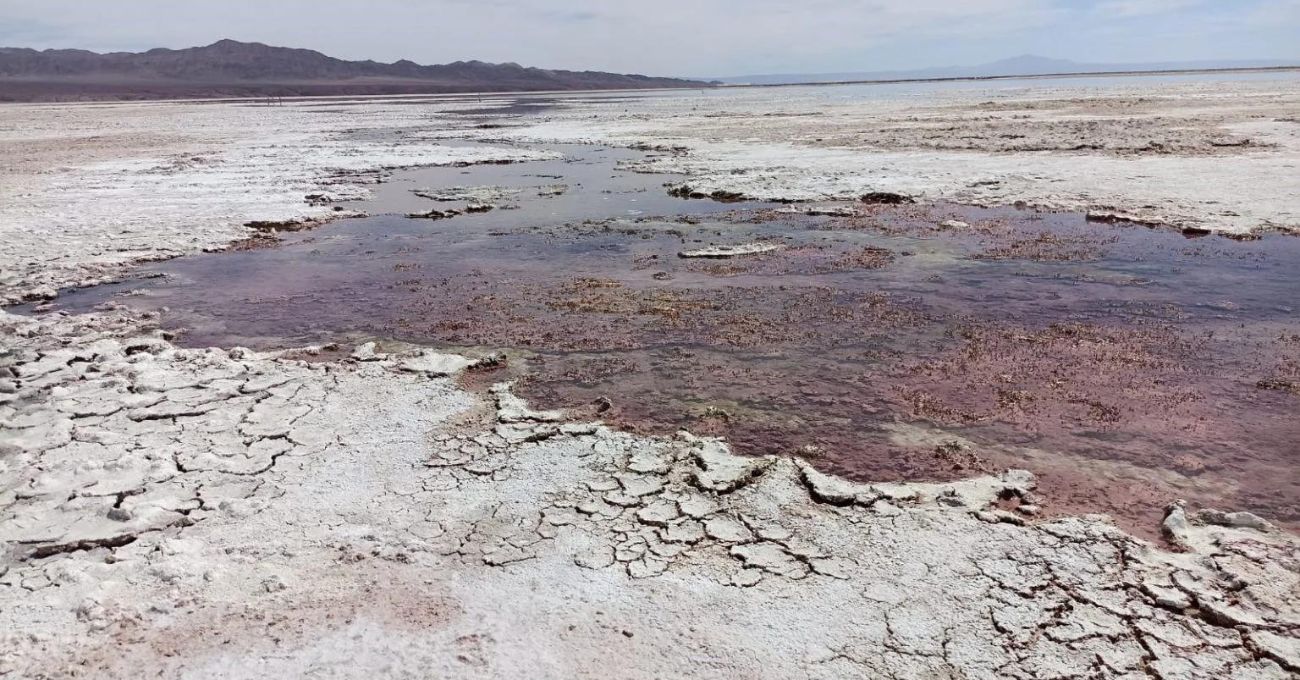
229, 68
1024, 65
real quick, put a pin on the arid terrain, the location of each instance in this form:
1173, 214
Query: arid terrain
229, 68
262, 384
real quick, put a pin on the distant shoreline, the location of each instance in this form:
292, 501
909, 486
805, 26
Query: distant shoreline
1072, 74
369, 91
30, 90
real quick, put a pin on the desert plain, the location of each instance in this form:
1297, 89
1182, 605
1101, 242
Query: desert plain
368, 504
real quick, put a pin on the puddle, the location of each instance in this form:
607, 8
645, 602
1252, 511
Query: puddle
1125, 366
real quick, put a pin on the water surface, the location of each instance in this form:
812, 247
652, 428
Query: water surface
1125, 366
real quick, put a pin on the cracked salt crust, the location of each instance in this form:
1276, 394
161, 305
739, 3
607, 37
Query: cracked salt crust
198, 174
201, 513
154, 495
1165, 153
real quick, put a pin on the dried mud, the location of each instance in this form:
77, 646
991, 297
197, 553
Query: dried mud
888, 341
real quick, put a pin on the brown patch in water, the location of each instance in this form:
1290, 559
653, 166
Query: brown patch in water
870, 257
1045, 247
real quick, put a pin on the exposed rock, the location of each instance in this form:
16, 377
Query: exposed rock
1242, 520
719, 252
512, 409
480, 195
435, 215
834, 490
722, 471
366, 352
436, 364
821, 211
273, 226
1175, 526
886, 198
1115, 216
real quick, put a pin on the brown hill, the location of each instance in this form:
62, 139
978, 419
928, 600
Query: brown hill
229, 68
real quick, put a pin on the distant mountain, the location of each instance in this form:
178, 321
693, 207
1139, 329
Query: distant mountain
1024, 65
238, 69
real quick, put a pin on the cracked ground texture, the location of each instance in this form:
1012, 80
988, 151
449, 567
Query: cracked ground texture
1206, 155
170, 512
206, 513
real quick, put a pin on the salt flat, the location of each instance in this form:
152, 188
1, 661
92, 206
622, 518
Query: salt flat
1150, 151
228, 513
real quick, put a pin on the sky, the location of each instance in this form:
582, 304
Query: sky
682, 37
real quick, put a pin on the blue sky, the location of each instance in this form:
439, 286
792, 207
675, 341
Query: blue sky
682, 37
